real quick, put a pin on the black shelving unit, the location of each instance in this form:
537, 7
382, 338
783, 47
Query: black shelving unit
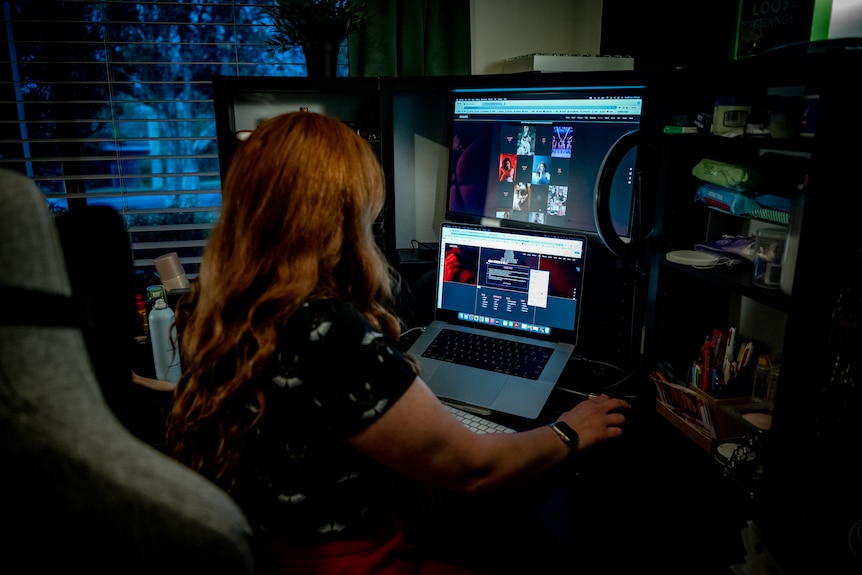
807, 469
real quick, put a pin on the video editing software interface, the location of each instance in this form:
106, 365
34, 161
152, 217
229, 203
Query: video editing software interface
533, 157
517, 281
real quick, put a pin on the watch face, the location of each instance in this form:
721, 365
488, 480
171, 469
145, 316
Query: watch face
569, 434
573, 435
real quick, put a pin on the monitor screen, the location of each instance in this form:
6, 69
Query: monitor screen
531, 158
511, 280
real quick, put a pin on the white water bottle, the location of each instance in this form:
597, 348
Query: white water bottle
163, 335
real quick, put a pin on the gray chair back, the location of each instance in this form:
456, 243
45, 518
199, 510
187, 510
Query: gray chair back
77, 489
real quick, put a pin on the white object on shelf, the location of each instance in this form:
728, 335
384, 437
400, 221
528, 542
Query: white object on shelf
693, 258
566, 63
163, 333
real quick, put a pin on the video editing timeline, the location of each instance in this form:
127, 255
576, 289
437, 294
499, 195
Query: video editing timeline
526, 283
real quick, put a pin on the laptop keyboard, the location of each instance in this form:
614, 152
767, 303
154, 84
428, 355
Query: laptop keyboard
492, 353
477, 423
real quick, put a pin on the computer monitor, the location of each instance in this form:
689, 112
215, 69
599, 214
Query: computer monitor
531, 157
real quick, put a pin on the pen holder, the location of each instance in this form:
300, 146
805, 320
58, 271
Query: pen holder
701, 414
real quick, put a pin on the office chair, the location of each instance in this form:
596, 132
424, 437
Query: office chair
77, 489
100, 271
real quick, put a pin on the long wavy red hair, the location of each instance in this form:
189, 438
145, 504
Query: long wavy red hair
298, 204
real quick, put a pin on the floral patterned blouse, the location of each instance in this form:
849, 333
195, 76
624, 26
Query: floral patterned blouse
332, 376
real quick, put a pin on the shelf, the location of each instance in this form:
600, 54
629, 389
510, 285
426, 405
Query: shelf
710, 142
686, 303
737, 278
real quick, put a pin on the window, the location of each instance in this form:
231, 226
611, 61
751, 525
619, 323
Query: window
110, 102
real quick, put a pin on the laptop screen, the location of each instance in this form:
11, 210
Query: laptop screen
531, 158
525, 282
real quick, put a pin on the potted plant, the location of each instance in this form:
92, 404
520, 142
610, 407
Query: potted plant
317, 26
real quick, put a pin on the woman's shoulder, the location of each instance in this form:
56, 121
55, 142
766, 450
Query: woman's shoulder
333, 340
331, 321
328, 310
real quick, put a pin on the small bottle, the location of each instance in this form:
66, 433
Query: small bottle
761, 378
772, 381
163, 334
141, 306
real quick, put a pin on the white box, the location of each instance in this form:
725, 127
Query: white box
563, 63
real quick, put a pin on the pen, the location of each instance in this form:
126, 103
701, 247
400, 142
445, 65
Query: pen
728, 352
731, 344
747, 352
704, 383
716, 344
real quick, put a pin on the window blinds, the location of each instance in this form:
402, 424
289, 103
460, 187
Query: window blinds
110, 103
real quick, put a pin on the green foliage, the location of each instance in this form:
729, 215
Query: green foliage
299, 22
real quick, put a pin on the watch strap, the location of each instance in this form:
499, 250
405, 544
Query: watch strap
566, 433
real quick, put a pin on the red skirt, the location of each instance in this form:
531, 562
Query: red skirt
385, 553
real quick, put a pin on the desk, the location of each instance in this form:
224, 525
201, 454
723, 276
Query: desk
615, 508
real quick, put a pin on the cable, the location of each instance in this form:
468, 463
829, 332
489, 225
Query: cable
412, 329
854, 541
607, 389
420, 246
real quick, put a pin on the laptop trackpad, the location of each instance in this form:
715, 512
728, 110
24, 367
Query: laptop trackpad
477, 387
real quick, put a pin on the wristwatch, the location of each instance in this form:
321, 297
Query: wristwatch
566, 433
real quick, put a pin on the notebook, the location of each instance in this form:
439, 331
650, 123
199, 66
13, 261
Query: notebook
519, 286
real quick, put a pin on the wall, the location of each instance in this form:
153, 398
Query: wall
508, 28
421, 164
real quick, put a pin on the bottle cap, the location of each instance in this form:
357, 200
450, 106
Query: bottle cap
160, 304
154, 292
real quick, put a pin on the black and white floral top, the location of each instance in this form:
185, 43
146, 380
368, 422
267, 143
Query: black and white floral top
332, 376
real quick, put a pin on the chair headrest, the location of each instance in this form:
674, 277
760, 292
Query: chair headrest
35, 319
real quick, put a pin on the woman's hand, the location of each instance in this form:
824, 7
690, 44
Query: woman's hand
596, 419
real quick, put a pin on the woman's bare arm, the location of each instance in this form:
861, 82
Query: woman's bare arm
419, 438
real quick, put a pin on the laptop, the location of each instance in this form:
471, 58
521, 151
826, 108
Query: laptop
519, 286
